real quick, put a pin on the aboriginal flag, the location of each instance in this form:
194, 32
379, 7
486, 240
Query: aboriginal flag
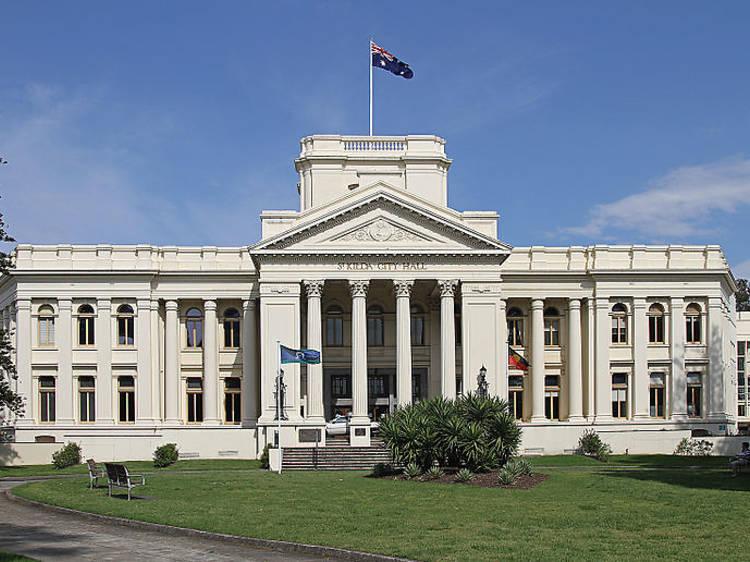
516, 360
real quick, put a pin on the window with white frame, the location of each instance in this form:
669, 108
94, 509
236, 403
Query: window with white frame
694, 394
334, 326
515, 327
656, 324
232, 400
125, 326
551, 327
375, 326
742, 349
619, 324
194, 400
126, 398
86, 399
657, 395
194, 328
231, 328
693, 323
552, 397
85, 325
515, 395
619, 395
417, 324
47, 399
46, 322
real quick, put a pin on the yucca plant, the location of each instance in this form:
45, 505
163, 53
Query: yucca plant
464, 475
506, 476
412, 471
521, 467
434, 473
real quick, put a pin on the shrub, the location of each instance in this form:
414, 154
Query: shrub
69, 455
472, 431
434, 473
694, 448
264, 463
507, 476
591, 445
383, 469
464, 475
165, 455
521, 466
412, 471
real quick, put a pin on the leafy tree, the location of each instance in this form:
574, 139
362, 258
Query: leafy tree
8, 399
743, 295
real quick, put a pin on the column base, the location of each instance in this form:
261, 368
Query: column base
641, 417
606, 418
211, 422
576, 419
359, 436
680, 418
538, 419
106, 421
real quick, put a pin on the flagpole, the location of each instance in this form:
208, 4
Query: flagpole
369, 61
279, 405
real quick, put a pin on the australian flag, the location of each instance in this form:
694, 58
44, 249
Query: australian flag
385, 60
306, 356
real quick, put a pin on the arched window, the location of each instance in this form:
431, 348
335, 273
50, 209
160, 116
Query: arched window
656, 323
693, 323
551, 327
619, 324
417, 324
46, 326
231, 328
515, 327
194, 328
375, 326
334, 326
85, 325
125, 325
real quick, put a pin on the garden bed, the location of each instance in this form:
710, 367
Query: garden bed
484, 480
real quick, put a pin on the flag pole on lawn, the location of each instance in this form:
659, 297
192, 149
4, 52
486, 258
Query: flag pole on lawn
279, 405
369, 63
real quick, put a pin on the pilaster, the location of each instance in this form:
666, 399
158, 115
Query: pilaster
250, 380
64, 391
575, 372
537, 361
714, 385
144, 382
448, 289
602, 374
104, 394
314, 290
677, 354
640, 361
403, 289
210, 364
171, 363
23, 358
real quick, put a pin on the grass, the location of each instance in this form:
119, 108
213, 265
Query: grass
652, 461
638, 513
10, 557
133, 466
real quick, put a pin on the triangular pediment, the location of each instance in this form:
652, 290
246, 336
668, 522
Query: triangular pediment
381, 219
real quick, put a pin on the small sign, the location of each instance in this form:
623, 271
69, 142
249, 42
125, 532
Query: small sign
309, 435
360, 432
722, 427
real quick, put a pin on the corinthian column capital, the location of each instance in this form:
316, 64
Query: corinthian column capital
359, 287
402, 288
448, 287
313, 288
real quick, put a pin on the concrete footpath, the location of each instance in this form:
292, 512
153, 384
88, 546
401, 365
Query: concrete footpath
48, 535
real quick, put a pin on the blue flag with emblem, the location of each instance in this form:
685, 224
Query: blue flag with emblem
385, 60
305, 356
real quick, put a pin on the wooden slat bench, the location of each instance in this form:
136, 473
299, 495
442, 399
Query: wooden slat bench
95, 472
119, 477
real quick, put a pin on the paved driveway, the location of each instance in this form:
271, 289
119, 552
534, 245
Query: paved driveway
47, 535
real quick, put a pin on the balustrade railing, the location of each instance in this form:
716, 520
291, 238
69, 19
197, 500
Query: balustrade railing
374, 145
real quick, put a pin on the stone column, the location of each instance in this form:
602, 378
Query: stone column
144, 383
602, 374
104, 414
23, 358
501, 385
250, 379
314, 290
65, 337
157, 401
677, 352
640, 378
537, 360
403, 342
171, 363
210, 364
447, 338
713, 386
360, 422
575, 373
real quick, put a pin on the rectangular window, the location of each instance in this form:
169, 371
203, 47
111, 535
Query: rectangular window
125, 331
377, 386
194, 332
86, 400
47, 399
552, 333
340, 386
194, 400
694, 388
85, 330
515, 396
232, 400
417, 330
231, 334
620, 329
552, 397
742, 347
335, 331
515, 332
126, 398
657, 395
457, 326
47, 331
693, 328
416, 388
620, 395
374, 330
656, 329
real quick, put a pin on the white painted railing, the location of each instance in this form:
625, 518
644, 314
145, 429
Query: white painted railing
374, 145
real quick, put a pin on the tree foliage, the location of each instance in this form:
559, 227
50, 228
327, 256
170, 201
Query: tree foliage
8, 398
475, 432
742, 296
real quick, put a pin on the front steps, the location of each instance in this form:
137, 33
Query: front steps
335, 457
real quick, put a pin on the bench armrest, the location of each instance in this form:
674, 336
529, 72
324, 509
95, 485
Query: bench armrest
141, 476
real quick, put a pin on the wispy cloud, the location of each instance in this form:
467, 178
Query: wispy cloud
742, 270
683, 204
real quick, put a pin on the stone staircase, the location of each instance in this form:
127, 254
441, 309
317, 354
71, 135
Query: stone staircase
335, 456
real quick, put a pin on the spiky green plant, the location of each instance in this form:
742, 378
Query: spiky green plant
412, 471
434, 473
464, 475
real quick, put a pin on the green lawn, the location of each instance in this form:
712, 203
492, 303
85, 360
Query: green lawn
133, 466
10, 557
629, 460
636, 513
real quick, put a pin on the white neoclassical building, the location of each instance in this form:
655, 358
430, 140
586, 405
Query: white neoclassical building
125, 347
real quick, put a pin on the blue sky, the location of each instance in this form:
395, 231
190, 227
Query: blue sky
177, 122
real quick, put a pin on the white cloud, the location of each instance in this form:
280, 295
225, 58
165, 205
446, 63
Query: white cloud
742, 270
682, 204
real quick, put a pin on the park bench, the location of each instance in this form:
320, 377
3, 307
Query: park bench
95, 472
119, 477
